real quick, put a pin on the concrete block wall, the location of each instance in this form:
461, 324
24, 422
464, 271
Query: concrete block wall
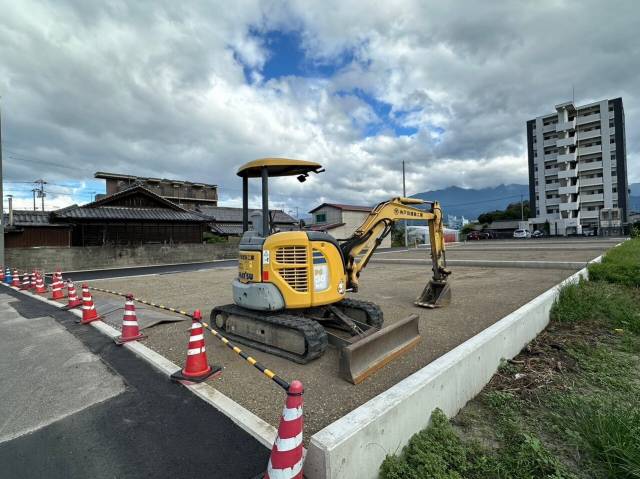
96, 257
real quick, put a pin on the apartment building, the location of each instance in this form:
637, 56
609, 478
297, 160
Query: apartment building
578, 168
186, 194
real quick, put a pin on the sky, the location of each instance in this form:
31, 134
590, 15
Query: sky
192, 90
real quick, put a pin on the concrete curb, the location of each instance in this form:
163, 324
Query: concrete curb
262, 431
481, 263
356, 444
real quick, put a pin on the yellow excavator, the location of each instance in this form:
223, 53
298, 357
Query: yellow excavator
290, 296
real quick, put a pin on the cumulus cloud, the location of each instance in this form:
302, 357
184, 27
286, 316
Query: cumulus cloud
179, 90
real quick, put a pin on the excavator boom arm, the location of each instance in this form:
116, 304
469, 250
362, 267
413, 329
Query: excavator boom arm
359, 248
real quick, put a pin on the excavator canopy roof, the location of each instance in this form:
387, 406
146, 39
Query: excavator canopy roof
278, 167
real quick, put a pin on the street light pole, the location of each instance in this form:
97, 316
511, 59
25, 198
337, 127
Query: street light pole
404, 195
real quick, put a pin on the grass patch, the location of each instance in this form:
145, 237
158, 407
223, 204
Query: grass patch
617, 306
620, 265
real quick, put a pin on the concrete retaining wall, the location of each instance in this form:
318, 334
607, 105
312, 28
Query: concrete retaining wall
356, 444
96, 257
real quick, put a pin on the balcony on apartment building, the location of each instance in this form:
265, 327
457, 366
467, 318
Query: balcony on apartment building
589, 150
591, 181
566, 157
568, 190
588, 214
569, 222
549, 142
548, 128
570, 173
591, 198
569, 141
569, 206
594, 165
550, 171
586, 135
566, 126
552, 201
583, 120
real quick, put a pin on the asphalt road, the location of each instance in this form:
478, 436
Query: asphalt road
139, 424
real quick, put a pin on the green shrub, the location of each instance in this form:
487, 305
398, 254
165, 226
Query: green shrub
598, 301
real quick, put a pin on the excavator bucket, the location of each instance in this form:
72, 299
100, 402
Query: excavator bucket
435, 295
365, 356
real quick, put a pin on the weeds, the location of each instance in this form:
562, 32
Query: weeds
619, 265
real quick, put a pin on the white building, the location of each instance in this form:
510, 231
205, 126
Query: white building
578, 167
341, 221
455, 222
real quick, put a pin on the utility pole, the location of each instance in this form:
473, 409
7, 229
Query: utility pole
404, 195
34, 198
1, 200
521, 208
40, 191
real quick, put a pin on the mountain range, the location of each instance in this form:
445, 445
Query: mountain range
470, 202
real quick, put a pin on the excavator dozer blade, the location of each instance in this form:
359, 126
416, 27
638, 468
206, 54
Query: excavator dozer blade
365, 356
435, 295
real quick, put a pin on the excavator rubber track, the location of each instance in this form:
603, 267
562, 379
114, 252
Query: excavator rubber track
307, 335
373, 314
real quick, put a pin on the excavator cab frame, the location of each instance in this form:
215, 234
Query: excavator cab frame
263, 169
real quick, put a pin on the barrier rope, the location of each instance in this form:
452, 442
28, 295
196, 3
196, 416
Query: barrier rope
253, 362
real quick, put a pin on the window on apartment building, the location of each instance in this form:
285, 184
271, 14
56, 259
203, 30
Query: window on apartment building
611, 124
610, 107
535, 154
614, 173
614, 189
612, 140
321, 218
537, 211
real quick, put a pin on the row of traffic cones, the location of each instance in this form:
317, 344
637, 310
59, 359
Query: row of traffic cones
286, 458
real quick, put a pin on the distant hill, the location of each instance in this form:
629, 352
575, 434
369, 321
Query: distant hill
470, 202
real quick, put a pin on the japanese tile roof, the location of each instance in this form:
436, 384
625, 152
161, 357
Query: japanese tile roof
225, 214
127, 213
30, 218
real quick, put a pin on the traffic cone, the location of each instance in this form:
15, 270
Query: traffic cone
89, 312
40, 286
7, 276
15, 279
74, 301
56, 288
32, 284
130, 328
26, 282
197, 368
286, 455
1, 274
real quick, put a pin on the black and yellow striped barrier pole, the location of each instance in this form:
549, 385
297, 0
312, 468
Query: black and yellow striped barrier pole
264, 370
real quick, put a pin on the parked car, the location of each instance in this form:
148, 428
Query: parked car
524, 234
478, 235
537, 234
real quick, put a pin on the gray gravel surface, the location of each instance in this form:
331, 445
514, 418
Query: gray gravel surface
481, 296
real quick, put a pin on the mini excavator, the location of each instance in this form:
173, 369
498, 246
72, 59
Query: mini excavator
290, 293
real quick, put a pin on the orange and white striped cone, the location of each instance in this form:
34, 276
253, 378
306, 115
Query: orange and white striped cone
73, 301
287, 458
56, 288
32, 285
196, 368
41, 288
25, 281
130, 328
15, 281
89, 313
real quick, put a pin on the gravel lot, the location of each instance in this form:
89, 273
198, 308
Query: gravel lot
481, 296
